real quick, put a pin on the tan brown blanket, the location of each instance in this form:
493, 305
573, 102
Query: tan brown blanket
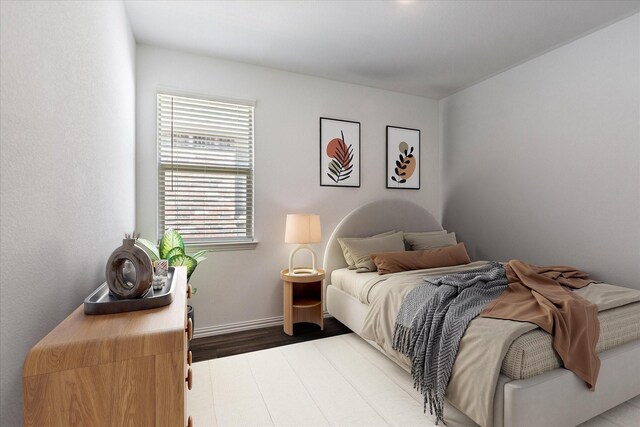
535, 294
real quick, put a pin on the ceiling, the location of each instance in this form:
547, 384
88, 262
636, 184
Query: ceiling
425, 48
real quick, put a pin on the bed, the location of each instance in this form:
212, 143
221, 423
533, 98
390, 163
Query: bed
526, 394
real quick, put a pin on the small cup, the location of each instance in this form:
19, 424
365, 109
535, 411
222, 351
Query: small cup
161, 267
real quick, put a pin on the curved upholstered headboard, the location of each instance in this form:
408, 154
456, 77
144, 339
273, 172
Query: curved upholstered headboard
373, 218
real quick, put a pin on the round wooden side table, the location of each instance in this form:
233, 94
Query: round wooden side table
302, 299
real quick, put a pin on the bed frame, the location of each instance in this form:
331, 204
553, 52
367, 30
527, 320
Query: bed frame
555, 398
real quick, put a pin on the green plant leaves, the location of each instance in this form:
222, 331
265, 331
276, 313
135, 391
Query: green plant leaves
171, 239
199, 256
184, 260
171, 248
175, 251
149, 247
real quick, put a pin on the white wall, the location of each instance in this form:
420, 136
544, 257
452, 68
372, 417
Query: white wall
244, 285
542, 162
67, 171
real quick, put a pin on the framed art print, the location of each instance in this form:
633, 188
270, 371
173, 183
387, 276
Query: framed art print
339, 153
403, 158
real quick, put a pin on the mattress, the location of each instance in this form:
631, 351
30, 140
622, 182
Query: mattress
351, 282
532, 353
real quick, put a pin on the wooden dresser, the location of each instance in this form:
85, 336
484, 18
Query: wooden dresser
127, 369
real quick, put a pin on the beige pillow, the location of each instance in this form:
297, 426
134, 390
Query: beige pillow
351, 264
407, 246
426, 233
424, 241
361, 249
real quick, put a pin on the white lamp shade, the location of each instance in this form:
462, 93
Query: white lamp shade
303, 229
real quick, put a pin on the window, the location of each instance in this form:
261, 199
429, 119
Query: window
205, 169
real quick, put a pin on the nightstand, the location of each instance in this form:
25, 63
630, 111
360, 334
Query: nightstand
302, 301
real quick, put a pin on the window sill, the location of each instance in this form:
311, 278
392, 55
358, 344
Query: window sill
226, 246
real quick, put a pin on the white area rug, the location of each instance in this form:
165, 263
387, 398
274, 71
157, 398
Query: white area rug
337, 381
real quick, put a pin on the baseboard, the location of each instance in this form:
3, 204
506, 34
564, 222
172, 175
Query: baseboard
209, 331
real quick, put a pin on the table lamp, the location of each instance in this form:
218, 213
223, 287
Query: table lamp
302, 229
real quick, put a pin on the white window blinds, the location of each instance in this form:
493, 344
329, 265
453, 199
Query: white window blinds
205, 172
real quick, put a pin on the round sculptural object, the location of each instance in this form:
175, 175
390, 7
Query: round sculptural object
129, 271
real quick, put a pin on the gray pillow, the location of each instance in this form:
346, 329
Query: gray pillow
361, 249
407, 246
351, 264
424, 241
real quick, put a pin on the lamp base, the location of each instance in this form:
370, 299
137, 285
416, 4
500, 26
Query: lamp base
303, 272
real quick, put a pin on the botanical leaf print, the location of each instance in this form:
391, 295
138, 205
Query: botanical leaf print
340, 167
405, 165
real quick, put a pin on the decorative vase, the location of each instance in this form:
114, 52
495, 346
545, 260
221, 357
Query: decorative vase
129, 271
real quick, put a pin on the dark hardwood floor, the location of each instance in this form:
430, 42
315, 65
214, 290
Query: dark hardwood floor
259, 339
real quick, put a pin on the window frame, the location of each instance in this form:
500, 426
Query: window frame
230, 244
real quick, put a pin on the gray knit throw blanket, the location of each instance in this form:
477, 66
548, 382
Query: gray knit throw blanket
432, 320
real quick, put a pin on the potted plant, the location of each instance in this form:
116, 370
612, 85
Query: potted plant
171, 248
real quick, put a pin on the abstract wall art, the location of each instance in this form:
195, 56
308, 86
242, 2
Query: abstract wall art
403, 158
339, 153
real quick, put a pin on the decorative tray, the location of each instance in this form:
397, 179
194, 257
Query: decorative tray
102, 302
